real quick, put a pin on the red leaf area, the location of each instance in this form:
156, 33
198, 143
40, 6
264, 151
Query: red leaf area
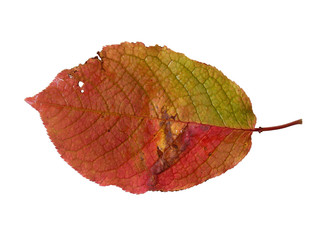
111, 132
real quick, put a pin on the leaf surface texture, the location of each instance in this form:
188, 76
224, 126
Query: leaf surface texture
146, 118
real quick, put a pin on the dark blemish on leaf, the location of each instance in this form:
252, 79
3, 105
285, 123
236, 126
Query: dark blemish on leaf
169, 156
159, 166
159, 152
204, 127
168, 133
167, 127
152, 182
174, 117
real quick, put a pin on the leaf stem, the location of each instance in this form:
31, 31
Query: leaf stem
263, 129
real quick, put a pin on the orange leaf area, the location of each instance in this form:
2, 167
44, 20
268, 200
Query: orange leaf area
118, 121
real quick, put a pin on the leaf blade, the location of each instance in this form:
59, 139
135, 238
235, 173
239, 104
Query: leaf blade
129, 124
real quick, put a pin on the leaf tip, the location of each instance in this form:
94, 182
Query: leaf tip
31, 100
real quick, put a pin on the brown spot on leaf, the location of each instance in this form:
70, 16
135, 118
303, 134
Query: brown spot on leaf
171, 154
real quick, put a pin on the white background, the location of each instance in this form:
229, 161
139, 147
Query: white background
270, 48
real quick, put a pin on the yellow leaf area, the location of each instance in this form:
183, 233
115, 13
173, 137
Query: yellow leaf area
190, 90
146, 118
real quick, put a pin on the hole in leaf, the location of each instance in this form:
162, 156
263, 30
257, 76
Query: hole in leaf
80, 84
82, 91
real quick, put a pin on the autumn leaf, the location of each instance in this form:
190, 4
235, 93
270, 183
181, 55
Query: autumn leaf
146, 118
